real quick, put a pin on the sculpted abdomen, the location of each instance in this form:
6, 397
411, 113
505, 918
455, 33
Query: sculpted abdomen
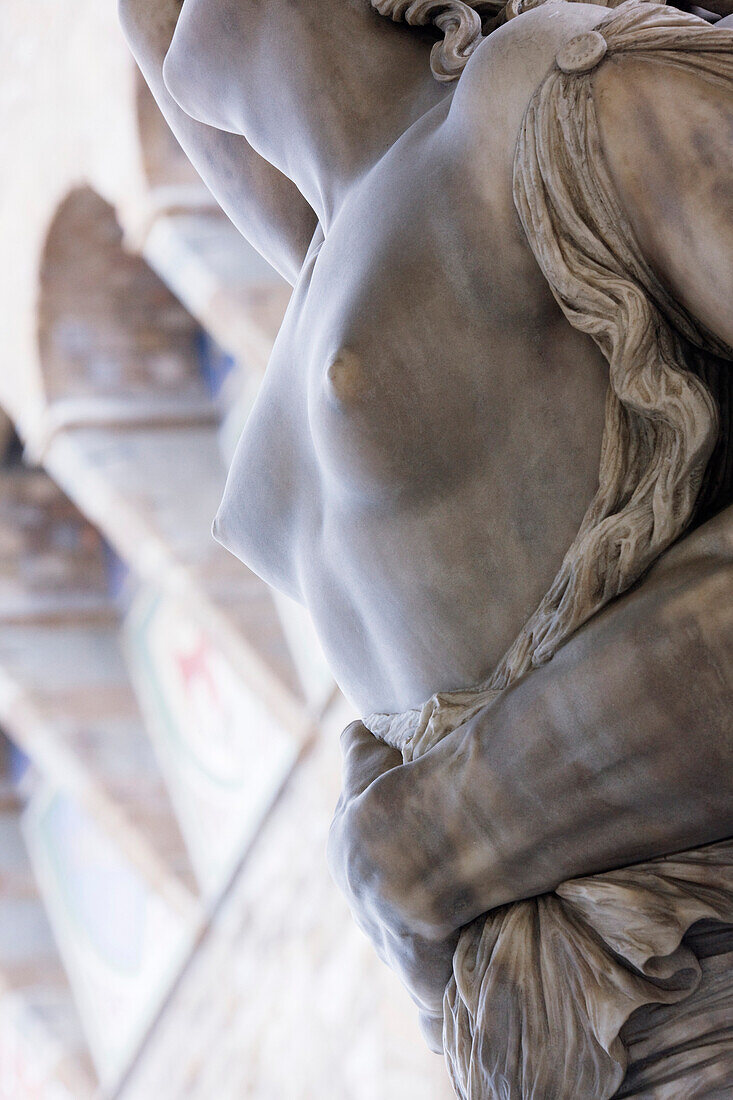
427, 437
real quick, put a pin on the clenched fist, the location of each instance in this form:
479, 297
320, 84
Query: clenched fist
617, 751
366, 862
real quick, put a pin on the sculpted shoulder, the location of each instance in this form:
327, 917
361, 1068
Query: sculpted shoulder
488, 107
667, 136
502, 74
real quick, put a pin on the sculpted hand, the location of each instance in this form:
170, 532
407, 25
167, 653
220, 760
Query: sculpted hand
365, 858
570, 772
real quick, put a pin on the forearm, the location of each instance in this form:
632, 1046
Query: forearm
320, 88
266, 207
619, 750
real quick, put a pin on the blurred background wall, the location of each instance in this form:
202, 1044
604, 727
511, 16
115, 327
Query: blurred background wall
168, 730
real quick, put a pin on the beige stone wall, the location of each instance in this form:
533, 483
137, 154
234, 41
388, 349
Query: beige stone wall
67, 100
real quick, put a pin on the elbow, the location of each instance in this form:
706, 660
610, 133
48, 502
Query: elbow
148, 34
128, 16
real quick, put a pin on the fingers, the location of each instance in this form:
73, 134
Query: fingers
359, 858
365, 758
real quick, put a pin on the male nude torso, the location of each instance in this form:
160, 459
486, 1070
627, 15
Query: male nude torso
427, 437
428, 434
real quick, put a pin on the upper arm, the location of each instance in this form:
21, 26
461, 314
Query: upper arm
266, 207
321, 88
667, 135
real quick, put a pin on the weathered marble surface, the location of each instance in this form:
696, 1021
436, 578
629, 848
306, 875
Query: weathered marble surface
427, 443
626, 735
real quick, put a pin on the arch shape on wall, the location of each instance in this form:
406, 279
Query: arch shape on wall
114, 344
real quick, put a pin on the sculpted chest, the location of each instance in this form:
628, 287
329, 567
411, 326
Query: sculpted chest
412, 440
414, 352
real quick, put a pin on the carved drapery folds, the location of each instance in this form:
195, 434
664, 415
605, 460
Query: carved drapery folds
662, 422
542, 988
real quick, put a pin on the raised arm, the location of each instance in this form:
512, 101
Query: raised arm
266, 207
321, 88
667, 138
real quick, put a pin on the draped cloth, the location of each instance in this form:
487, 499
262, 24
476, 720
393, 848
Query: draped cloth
543, 990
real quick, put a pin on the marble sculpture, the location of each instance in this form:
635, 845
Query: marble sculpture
492, 456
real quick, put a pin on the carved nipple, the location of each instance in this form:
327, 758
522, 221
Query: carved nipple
345, 377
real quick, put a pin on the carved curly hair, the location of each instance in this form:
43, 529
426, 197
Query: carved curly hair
464, 24
460, 23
